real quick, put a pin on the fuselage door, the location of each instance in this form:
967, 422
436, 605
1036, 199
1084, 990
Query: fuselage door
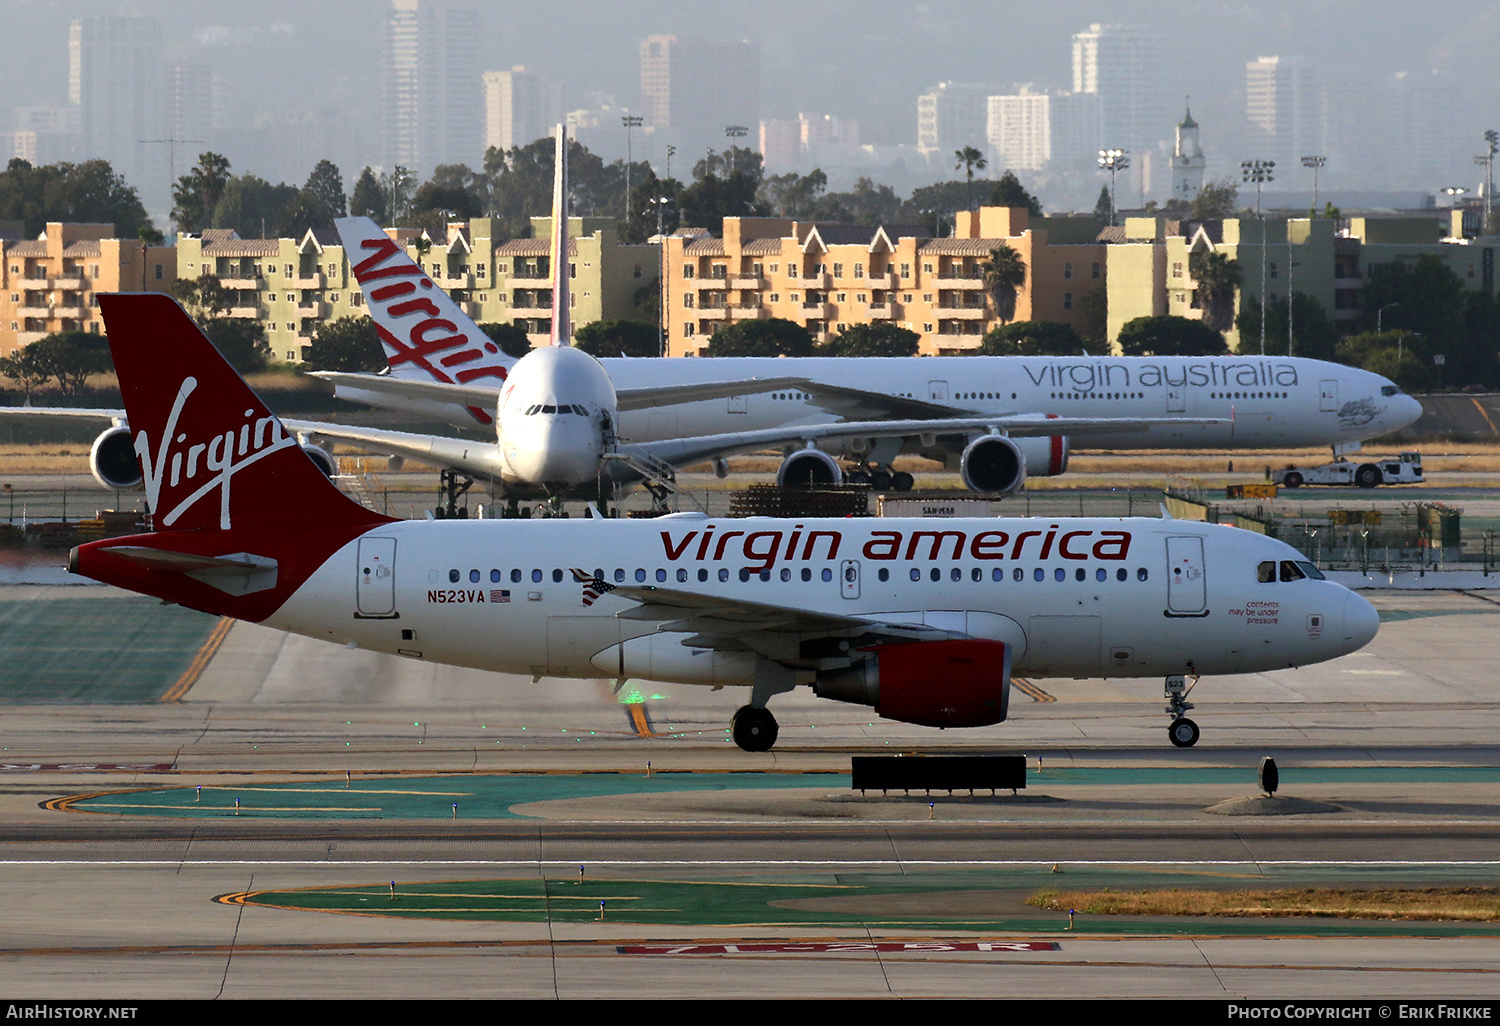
937, 391
739, 404
849, 578
375, 593
1176, 398
1187, 584
1328, 395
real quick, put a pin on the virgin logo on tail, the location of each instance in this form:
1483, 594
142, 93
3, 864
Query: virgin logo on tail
179, 460
422, 329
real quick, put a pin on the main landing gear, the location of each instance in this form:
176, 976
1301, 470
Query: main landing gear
881, 479
1183, 732
753, 729
452, 486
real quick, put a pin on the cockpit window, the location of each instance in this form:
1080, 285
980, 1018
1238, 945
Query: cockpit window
1389, 390
1290, 571
1265, 572
1310, 570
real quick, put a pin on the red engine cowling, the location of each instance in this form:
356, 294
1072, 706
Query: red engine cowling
958, 683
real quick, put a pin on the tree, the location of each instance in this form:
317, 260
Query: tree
242, 342
968, 158
866, 203
1035, 338
1009, 192
794, 195
1315, 335
1170, 336
69, 357
618, 338
934, 205
86, 192
252, 207
316, 205
1004, 274
1216, 200
1391, 354
198, 192
772, 337
512, 340
1093, 306
369, 199
23, 368
872, 340
347, 344
1218, 279
1104, 207
203, 297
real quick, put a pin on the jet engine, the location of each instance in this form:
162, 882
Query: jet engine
322, 459
112, 460
809, 467
959, 683
1000, 463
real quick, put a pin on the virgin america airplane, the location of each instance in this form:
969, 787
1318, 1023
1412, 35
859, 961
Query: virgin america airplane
925, 621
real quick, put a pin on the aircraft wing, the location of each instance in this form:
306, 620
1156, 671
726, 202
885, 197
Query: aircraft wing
671, 395
723, 623
859, 404
19, 413
483, 396
476, 458
684, 451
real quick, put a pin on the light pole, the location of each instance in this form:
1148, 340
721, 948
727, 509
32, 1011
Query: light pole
1113, 161
1260, 172
1316, 163
660, 202
1379, 314
1487, 160
631, 122
733, 132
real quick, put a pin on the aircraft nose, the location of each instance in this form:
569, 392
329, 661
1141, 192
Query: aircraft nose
1361, 622
1403, 411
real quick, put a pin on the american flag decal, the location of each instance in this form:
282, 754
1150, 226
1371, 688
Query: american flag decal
500, 595
593, 586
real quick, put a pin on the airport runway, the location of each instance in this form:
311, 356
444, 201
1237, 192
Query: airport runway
120, 902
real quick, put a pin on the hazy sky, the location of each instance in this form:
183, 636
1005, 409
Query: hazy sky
867, 60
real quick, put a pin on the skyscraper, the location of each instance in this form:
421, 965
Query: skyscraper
1122, 65
433, 93
115, 82
1020, 131
952, 115
1285, 109
691, 89
520, 106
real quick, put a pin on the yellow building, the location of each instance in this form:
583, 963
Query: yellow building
52, 282
827, 277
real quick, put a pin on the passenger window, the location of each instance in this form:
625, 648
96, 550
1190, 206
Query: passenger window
827, 574
515, 576
557, 576
1059, 574
661, 575
806, 574
977, 574
1141, 574
884, 574
702, 576
1039, 574
640, 575
916, 574
681, 575
1080, 574
1121, 574
473, 576
786, 573
724, 574
536, 577
998, 575
1265, 573
452, 576
1018, 574
1101, 574
619, 574
494, 576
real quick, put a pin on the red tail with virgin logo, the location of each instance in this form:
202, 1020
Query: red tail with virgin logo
242, 517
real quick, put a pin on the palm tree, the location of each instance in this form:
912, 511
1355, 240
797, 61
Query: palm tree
1217, 278
1004, 274
968, 160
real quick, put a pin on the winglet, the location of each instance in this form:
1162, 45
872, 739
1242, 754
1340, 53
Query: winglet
1166, 514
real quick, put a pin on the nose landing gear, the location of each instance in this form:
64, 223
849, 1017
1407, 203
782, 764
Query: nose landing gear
1183, 732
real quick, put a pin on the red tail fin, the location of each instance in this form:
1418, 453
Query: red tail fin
212, 454
243, 518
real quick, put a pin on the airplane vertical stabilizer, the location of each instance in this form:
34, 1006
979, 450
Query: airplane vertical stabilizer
562, 304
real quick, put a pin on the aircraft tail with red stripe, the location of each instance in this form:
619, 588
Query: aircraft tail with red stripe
241, 515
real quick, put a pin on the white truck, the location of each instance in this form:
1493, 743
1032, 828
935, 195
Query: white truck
1403, 469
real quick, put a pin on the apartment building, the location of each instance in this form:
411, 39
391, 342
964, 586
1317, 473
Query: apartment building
51, 283
827, 277
1150, 261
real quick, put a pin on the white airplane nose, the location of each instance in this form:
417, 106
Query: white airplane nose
1361, 622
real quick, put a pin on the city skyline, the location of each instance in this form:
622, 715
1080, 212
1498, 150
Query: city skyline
282, 74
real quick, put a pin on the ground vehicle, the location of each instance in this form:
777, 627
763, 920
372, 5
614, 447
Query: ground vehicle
1403, 469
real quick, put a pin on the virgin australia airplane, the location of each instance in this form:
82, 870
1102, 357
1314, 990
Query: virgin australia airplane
995, 420
927, 622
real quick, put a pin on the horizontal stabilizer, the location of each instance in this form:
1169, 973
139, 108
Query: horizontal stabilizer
238, 573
